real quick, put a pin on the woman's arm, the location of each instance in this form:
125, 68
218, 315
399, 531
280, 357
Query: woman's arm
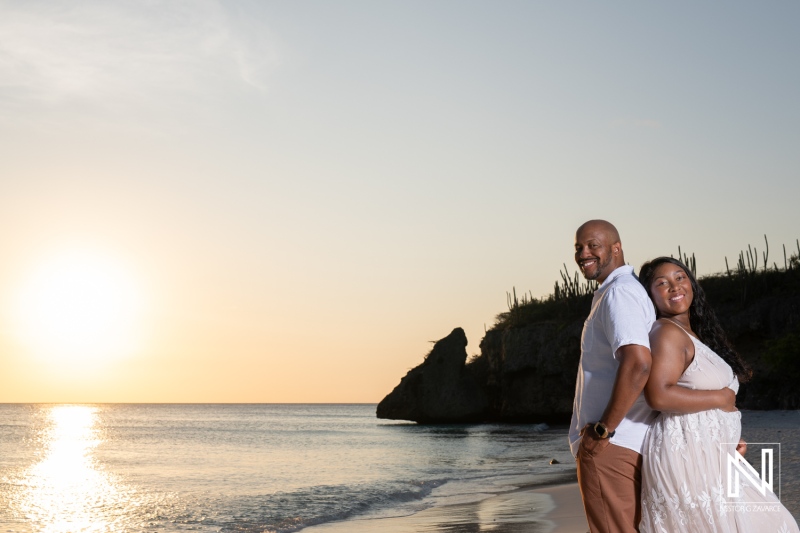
671, 348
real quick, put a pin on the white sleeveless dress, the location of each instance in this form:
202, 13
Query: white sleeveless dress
684, 470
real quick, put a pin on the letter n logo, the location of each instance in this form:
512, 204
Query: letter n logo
737, 464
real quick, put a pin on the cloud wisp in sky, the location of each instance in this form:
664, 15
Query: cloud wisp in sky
55, 52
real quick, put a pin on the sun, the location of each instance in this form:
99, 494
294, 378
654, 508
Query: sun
79, 306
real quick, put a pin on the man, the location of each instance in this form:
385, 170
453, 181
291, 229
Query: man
610, 416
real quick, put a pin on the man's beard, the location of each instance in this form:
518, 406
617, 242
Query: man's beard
598, 270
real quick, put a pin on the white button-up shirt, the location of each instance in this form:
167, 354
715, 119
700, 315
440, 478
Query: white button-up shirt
621, 314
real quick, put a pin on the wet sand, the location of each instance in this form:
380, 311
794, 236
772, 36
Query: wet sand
558, 508
550, 509
567, 515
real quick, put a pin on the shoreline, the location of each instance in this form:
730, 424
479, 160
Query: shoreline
567, 515
553, 508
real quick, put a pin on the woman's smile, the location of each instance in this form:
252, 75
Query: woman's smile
671, 290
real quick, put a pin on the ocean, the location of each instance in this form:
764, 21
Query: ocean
278, 468
250, 468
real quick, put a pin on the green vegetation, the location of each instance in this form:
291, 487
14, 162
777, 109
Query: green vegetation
752, 278
780, 371
529, 357
571, 299
782, 355
751, 267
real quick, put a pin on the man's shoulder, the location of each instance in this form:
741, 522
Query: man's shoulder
626, 284
625, 293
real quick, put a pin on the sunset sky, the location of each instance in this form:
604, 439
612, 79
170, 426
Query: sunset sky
255, 201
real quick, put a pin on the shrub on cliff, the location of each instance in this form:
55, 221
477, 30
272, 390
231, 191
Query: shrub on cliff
571, 300
752, 278
757, 302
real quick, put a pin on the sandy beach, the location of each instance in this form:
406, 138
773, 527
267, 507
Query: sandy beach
549, 509
557, 508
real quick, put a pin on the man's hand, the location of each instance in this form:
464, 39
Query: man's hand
741, 447
591, 441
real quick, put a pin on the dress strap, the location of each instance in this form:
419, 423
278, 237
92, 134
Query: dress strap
692, 338
682, 328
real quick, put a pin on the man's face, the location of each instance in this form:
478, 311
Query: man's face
594, 254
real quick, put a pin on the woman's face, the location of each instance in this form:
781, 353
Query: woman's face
671, 290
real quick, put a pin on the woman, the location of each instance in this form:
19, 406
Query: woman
684, 472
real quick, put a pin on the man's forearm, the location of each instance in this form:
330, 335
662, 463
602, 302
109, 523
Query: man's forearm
632, 374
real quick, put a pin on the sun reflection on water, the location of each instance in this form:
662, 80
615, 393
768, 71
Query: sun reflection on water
67, 491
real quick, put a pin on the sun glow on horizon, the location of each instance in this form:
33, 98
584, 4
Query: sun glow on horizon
67, 490
79, 307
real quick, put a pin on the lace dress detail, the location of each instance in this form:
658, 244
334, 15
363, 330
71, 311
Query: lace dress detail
684, 469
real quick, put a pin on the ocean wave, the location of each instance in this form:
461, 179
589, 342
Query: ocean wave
286, 512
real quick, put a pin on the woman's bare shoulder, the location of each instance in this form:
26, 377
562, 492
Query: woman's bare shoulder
667, 333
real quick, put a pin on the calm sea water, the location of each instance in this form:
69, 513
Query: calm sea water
259, 468
275, 468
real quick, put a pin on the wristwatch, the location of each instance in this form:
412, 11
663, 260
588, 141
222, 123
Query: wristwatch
602, 431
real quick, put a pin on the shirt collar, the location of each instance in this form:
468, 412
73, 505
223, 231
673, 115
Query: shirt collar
617, 272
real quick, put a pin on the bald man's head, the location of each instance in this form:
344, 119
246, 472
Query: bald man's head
598, 250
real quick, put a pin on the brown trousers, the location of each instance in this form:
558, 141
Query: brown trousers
611, 485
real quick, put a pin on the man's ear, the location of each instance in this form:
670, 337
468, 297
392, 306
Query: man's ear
616, 248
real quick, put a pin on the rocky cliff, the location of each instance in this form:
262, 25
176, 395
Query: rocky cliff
526, 372
523, 374
531, 370
441, 389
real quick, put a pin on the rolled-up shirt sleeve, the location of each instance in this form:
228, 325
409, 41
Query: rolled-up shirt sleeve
626, 320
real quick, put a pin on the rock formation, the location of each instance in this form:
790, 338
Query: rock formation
526, 371
532, 371
441, 389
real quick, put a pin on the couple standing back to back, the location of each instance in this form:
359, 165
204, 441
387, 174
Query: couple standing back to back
624, 449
